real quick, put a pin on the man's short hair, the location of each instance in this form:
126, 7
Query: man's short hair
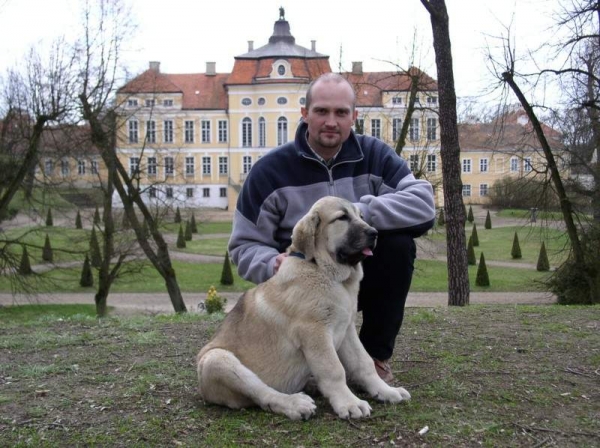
329, 77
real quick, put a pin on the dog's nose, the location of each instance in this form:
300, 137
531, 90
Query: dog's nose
371, 232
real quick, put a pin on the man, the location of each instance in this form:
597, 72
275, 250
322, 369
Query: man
328, 158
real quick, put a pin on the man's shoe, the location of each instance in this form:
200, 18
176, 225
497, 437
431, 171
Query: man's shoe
384, 370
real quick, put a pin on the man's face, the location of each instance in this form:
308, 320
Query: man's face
330, 116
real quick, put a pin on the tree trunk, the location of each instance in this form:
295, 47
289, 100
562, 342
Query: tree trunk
458, 273
410, 108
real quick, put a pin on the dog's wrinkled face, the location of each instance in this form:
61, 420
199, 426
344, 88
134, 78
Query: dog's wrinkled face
335, 226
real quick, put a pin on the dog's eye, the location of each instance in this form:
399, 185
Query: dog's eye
343, 218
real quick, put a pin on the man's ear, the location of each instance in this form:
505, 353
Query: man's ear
354, 114
304, 234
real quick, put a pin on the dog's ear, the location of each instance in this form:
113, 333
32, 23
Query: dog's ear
304, 234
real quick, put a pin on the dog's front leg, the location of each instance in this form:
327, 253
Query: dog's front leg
360, 369
318, 349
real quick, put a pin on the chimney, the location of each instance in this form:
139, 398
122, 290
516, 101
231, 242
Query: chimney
211, 68
155, 65
250, 45
313, 45
357, 68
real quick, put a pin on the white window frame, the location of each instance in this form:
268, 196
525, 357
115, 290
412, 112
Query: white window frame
431, 128
484, 165
223, 165
483, 190
151, 131
514, 165
169, 166
262, 132
223, 131
376, 128
188, 131
223, 192
396, 128
246, 132
133, 131
65, 169
413, 130
466, 166
431, 163
527, 165
81, 167
168, 131
189, 192
360, 123
246, 164
206, 192
151, 168
189, 165
466, 190
134, 166
205, 125
282, 131
413, 161
206, 165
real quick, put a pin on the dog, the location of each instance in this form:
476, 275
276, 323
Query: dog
298, 324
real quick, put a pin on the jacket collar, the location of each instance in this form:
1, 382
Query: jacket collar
351, 150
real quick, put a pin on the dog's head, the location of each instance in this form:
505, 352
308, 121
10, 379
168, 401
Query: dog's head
333, 228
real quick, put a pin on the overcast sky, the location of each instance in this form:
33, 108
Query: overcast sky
184, 34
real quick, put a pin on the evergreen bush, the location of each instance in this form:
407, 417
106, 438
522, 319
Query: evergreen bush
49, 220
482, 279
488, 221
87, 277
97, 219
470, 216
47, 254
25, 265
193, 224
177, 219
95, 254
471, 259
474, 236
226, 274
543, 265
516, 247
180, 238
78, 223
188, 231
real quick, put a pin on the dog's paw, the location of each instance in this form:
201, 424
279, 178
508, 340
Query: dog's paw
352, 408
392, 395
296, 406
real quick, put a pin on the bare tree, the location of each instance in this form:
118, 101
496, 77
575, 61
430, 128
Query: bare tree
458, 274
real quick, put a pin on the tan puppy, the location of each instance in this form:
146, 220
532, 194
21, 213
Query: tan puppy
300, 323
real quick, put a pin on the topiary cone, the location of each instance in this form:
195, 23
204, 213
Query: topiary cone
87, 277
47, 254
180, 238
516, 248
474, 236
471, 259
543, 264
488, 221
25, 265
482, 279
226, 274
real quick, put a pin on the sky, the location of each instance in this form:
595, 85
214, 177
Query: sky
184, 34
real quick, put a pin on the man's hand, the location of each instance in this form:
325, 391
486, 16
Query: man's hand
278, 262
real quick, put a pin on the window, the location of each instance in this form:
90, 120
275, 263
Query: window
168, 131
527, 167
205, 124
483, 189
466, 165
223, 131
151, 166
94, 166
246, 132
48, 167
360, 125
149, 103
132, 103
281, 70
81, 167
262, 132
223, 166
413, 161
431, 128
466, 190
514, 164
206, 165
282, 100
64, 168
134, 166
223, 192
261, 101
432, 100
151, 131
396, 128
246, 164
152, 192
246, 101
302, 101
431, 163
133, 131
397, 100
483, 165
376, 128
413, 129
206, 192
189, 192
168, 103
282, 130
169, 192
169, 166
189, 166
189, 131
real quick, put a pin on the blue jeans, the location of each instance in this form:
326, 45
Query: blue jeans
383, 292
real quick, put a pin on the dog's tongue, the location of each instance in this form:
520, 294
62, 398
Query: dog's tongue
367, 252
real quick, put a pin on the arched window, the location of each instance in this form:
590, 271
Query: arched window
246, 132
282, 131
262, 132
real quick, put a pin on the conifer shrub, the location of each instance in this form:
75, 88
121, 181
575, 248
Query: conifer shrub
177, 219
471, 259
180, 238
516, 247
47, 253
95, 254
193, 224
188, 231
97, 219
78, 223
25, 265
470, 216
474, 236
87, 276
49, 220
488, 221
543, 265
226, 273
482, 279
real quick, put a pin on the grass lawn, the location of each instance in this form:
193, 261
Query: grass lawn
479, 376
